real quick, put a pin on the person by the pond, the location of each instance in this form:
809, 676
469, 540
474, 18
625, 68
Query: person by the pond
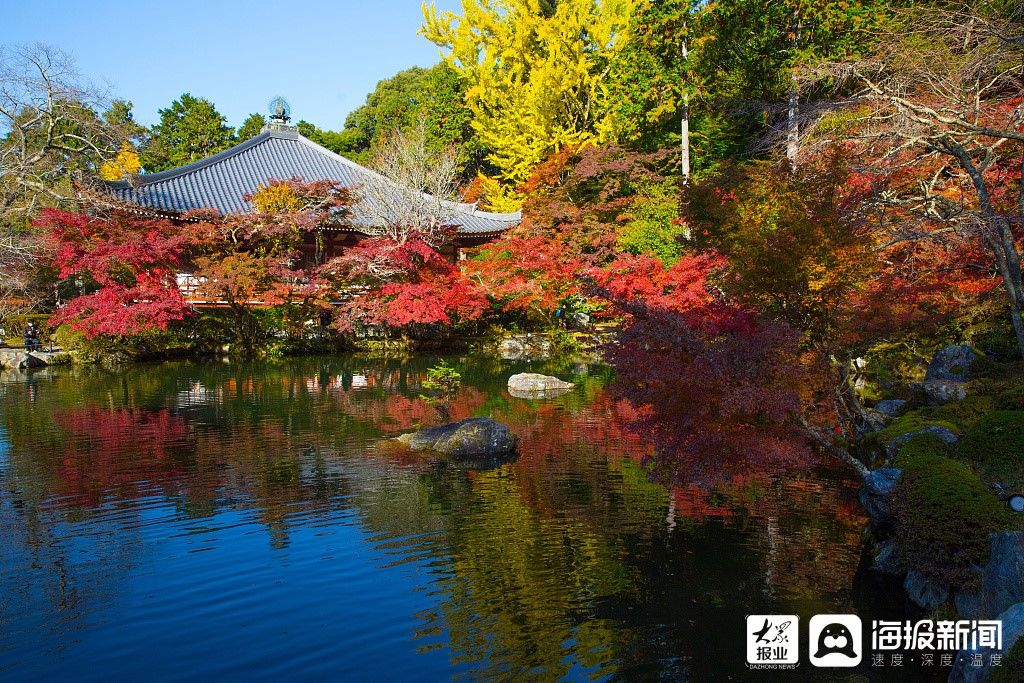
32, 342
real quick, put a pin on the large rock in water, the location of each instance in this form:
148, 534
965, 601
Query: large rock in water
876, 495
532, 385
472, 440
951, 364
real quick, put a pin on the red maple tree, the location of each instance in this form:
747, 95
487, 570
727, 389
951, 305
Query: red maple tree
129, 264
397, 284
717, 387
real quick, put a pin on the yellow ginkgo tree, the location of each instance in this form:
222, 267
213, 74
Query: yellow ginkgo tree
535, 72
125, 163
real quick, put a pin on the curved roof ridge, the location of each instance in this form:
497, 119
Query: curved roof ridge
148, 178
493, 215
221, 181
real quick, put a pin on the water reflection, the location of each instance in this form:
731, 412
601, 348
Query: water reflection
252, 504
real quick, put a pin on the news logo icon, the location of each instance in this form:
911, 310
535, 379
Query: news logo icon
835, 640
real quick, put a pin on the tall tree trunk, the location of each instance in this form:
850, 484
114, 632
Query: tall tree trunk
685, 120
793, 124
1008, 263
685, 130
793, 105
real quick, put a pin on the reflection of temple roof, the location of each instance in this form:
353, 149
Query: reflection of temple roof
220, 181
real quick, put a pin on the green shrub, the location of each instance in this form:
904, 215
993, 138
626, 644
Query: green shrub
563, 341
999, 341
995, 446
889, 364
654, 227
944, 515
443, 379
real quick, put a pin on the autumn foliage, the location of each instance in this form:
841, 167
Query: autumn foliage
718, 388
529, 275
398, 284
129, 265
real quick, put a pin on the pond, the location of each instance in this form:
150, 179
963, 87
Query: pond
185, 521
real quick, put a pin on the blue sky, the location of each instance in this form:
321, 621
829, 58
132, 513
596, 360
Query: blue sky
322, 56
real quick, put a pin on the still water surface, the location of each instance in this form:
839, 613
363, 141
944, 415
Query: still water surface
192, 521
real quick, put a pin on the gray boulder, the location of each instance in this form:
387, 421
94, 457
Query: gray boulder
892, 448
876, 494
890, 407
516, 347
970, 604
578, 321
1002, 580
1013, 630
870, 421
533, 385
952, 363
923, 591
941, 391
468, 440
886, 561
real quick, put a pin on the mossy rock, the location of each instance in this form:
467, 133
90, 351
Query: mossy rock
963, 413
994, 445
922, 446
912, 422
956, 417
944, 515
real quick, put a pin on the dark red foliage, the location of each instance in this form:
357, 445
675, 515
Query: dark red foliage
716, 387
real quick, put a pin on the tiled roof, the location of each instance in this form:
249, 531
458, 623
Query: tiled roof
220, 181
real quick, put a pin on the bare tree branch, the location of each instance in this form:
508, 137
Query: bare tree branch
414, 191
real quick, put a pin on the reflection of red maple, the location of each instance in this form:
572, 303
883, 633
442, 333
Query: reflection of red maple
127, 449
393, 413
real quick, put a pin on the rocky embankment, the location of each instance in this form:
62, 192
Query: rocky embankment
934, 522
20, 359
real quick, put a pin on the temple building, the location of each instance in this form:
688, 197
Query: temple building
221, 182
